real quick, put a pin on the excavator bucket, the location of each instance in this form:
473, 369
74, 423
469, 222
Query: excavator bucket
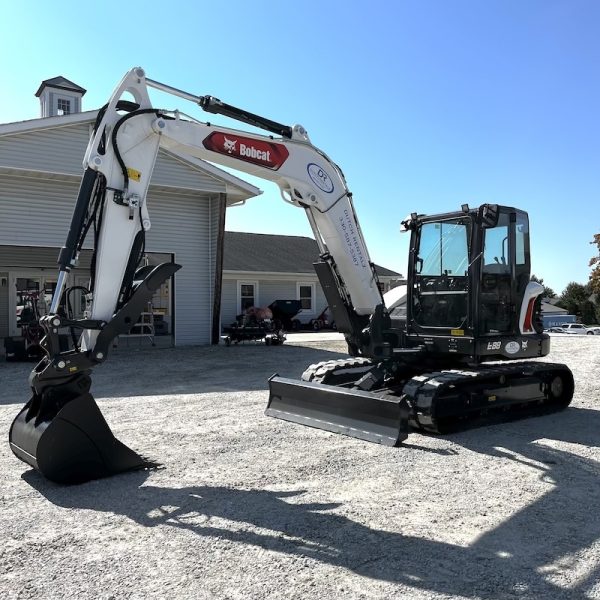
364, 415
69, 442
61, 431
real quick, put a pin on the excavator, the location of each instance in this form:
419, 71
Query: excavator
446, 350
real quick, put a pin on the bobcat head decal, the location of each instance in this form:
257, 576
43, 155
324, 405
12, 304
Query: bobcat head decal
229, 145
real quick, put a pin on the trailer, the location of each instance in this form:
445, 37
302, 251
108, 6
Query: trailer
254, 325
245, 331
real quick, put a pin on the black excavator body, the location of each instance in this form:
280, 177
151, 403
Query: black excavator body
454, 353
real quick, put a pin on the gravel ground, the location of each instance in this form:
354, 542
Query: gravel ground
251, 507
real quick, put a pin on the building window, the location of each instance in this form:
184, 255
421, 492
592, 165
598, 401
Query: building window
306, 295
64, 107
247, 295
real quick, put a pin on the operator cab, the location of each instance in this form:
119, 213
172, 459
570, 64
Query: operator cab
468, 272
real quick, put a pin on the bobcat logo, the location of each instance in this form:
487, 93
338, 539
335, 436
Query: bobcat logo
229, 145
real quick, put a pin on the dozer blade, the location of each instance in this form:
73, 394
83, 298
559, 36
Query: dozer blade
363, 415
69, 442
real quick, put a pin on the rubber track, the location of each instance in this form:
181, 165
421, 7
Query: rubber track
422, 391
318, 371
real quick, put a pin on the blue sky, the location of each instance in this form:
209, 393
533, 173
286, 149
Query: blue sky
425, 105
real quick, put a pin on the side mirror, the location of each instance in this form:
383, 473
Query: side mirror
488, 215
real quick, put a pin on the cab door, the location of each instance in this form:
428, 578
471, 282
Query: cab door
440, 290
505, 272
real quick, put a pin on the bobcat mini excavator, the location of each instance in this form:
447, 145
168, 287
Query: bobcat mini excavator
430, 355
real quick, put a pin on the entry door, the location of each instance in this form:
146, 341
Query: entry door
441, 263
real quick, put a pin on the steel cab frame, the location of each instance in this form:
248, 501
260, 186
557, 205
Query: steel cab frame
469, 273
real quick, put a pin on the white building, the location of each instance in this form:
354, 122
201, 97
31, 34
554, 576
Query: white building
261, 268
40, 172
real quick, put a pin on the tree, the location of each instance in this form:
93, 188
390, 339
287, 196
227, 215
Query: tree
588, 313
548, 291
595, 262
573, 297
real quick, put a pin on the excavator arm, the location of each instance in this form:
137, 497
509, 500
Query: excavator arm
118, 166
122, 153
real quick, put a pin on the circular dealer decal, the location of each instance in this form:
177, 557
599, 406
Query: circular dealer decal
320, 178
512, 347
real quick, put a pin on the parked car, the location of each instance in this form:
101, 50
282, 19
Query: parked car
595, 330
577, 329
555, 329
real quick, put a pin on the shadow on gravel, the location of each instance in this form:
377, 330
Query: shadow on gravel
172, 371
513, 560
550, 532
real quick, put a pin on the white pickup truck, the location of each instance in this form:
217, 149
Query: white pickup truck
577, 328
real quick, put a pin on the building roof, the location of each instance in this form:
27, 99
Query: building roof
548, 307
62, 83
238, 190
262, 252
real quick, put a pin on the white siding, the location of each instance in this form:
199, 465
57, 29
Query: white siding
57, 150
181, 225
61, 150
13, 258
172, 172
270, 291
35, 212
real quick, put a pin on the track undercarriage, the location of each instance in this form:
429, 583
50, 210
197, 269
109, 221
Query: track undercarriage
436, 401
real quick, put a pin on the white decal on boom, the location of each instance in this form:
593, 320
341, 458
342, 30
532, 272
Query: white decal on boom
252, 152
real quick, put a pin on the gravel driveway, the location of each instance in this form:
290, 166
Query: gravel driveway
251, 507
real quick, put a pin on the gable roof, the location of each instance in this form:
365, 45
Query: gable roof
263, 252
548, 307
62, 83
238, 190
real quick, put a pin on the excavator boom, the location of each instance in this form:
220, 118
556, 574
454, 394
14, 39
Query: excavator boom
61, 431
